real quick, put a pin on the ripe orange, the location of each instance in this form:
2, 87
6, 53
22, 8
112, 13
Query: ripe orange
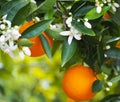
37, 48
77, 83
118, 44
106, 16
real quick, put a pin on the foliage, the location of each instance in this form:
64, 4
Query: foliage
81, 35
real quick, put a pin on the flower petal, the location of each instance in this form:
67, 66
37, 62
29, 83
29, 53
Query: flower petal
70, 39
77, 36
88, 25
98, 9
65, 33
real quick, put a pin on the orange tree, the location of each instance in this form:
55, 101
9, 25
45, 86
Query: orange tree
80, 28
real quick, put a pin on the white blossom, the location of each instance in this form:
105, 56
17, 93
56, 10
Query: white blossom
99, 9
87, 24
107, 89
8, 37
2, 26
73, 33
68, 21
26, 51
109, 83
116, 4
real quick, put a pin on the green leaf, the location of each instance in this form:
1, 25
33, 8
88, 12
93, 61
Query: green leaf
36, 29
46, 46
92, 14
83, 11
111, 98
44, 7
100, 54
13, 10
83, 29
68, 51
54, 34
21, 15
49, 14
24, 42
113, 39
114, 53
97, 86
116, 17
8, 6
115, 79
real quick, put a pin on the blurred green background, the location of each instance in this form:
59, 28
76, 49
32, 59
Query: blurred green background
39, 80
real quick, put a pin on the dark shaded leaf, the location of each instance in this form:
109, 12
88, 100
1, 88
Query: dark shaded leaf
46, 46
36, 29
12, 8
83, 11
114, 53
21, 15
68, 51
97, 86
44, 7
83, 29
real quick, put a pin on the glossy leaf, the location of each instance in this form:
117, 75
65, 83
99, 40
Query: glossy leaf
114, 53
24, 42
44, 7
36, 29
92, 14
21, 15
8, 6
13, 10
54, 34
97, 86
82, 28
68, 51
83, 11
115, 79
113, 39
46, 46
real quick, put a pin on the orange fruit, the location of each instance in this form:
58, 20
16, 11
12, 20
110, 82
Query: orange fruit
37, 48
70, 100
77, 83
118, 44
106, 16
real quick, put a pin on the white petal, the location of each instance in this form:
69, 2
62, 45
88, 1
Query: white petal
27, 51
116, 4
77, 36
2, 38
114, 8
4, 17
21, 54
68, 21
70, 38
98, 9
88, 25
65, 33
2, 26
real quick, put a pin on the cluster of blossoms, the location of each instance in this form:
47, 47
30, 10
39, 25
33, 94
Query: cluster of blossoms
100, 3
8, 36
73, 32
